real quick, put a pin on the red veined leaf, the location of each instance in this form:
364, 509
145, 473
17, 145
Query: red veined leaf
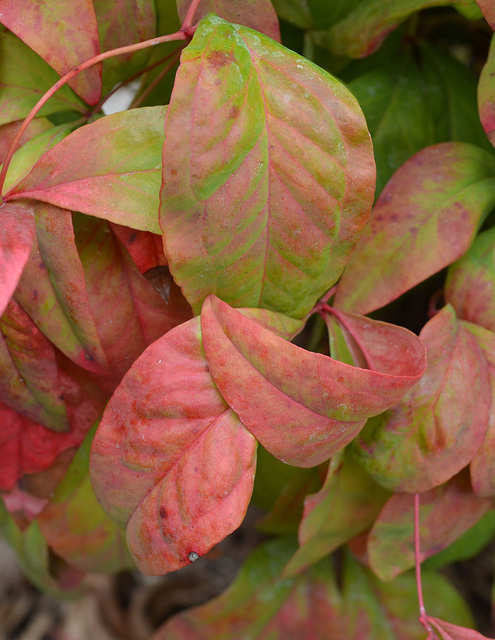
17, 235
488, 11
425, 219
486, 93
436, 429
114, 171
447, 631
483, 463
52, 291
64, 34
120, 23
262, 203
24, 77
9, 131
303, 407
255, 14
446, 512
347, 505
128, 311
470, 285
170, 459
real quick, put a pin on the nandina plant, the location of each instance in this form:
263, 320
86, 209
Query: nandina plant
186, 289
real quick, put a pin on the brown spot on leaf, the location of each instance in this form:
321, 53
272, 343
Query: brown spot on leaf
234, 112
219, 59
163, 513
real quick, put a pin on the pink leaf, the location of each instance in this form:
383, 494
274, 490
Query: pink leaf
447, 631
64, 34
425, 219
303, 407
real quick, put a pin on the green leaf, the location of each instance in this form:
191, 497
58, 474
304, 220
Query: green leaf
114, 171
314, 14
9, 130
262, 204
437, 427
425, 219
24, 78
64, 34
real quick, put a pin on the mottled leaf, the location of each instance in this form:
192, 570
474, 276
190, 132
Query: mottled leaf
363, 30
347, 505
303, 407
446, 512
259, 605
17, 234
486, 93
170, 459
24, 78
488, 11
255, 14
120, 23
114, 171
436, 429
448, 631
128, 310
483, 462
75, 526
470, 285
64, 34
268, 185
425, 219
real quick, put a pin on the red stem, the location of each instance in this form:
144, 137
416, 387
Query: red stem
422, 611
140, 99
179, 35
191, 12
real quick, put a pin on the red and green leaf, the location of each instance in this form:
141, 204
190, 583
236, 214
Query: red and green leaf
436, 429
425, 219
9, 131
267, 186
488, 11
64, 34
447, 631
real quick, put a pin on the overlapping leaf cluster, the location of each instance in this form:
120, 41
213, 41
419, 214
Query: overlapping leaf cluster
156, 264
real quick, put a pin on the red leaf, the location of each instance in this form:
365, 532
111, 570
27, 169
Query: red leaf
170, 458
436, 429
303, 407
64, 34
425, 219
16, 239
446, 512
447, 631
113, 174
488, 11
255, 14
145, 248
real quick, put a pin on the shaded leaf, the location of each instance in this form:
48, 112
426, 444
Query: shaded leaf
446, 512
436, 429
114, 171
314, 14
488, 11
448, 631
64, 34
347, 505
425, 219
17, 234
263, 204
9, 131
486, 93
303, 407
470, 284
75, 526
120, 23
170, 459
255, 14
145, 248
24, 78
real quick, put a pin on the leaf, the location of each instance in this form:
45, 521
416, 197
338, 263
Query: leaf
447, 631
121, 23
75, 526
255, 14
363, 30
145, 248
16, 238
414, 98
303, 407
64, 34
52, 291
128, 311
486, 92
446, 512
9, 131
170, 459
483, 463
437, 427
425, 219
24, 78
259, 605
346, 506
263, 204
114, 171
470, 285
488, 11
